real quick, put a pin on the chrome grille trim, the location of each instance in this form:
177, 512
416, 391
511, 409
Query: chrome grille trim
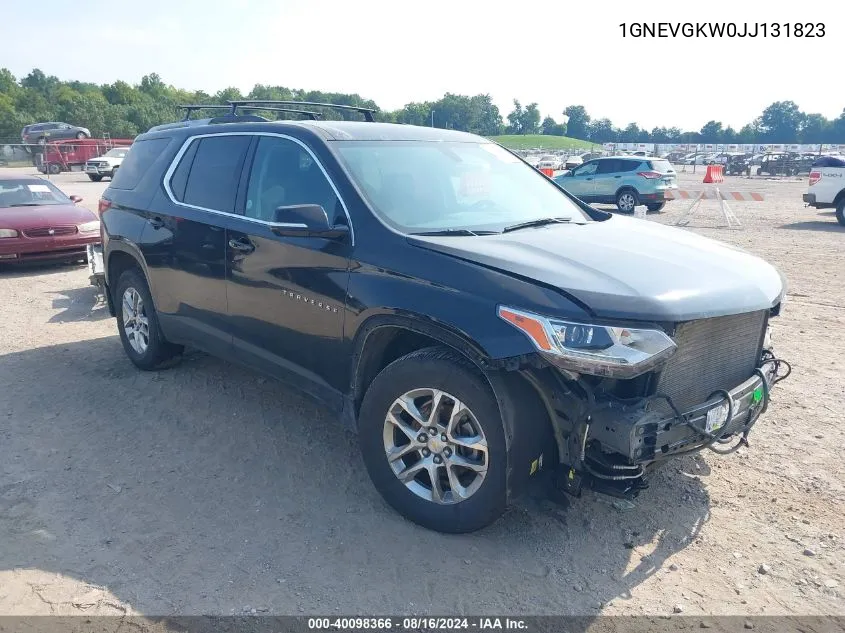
57, 231
716, 353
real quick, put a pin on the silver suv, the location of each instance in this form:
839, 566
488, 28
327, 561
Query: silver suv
626, 181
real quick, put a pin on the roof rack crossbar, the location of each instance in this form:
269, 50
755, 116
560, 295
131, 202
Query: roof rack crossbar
367, 112
189, 109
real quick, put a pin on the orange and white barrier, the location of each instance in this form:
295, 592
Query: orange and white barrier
714, 174
715, 194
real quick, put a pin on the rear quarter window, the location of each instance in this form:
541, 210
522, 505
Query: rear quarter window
138, 160
663, 166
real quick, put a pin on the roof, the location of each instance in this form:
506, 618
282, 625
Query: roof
336, 130
20, 178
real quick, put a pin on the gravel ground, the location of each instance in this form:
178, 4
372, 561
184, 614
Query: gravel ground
208, 489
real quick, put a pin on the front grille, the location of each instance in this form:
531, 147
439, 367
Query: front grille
57, 231
712, 354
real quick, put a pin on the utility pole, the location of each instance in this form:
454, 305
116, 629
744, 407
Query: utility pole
432, 118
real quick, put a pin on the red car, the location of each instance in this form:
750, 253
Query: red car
39, 222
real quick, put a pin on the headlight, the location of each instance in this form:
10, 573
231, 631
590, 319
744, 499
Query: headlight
8, 233
620, 352
89, 227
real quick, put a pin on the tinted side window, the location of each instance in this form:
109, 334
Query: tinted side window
216, 169
180, 176
609, 166
587, 169
138, 160
628, 165
284, 174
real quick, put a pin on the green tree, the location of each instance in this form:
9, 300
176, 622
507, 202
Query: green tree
515, 118
711, 132
782, 122
817, 129
602, 131
530, 120
552, 128
577, 122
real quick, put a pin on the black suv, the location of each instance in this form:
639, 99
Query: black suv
473, 322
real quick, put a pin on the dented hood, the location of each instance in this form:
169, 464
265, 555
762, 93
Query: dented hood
627, 268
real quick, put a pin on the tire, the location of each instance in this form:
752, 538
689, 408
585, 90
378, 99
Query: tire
158, 352
626, 200
113, 173
428, 371
759, 171
840, 211
54, 168
95, 178
81, 135
654, 208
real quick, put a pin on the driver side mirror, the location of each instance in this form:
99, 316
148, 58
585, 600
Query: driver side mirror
76, 199
306, 220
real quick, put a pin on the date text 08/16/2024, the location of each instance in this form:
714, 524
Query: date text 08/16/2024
416, 623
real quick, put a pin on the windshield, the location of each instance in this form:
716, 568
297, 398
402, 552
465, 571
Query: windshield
30, 192
433, 186
117, 152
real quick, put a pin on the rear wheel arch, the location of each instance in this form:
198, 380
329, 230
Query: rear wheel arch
839, 197
122, 259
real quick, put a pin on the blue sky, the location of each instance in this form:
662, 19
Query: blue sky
554, 53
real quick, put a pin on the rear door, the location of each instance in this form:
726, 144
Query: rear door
607, 179
286, 295
184, 241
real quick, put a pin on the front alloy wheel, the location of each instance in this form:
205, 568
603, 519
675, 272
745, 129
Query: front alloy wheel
433, 441
626, 201
435, 446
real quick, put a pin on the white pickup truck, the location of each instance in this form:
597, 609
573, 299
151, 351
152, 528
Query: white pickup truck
827, 185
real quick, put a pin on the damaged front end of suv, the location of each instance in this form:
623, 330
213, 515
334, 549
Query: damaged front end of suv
622, 399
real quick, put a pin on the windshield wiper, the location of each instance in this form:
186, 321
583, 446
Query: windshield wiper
455, 232
540, 222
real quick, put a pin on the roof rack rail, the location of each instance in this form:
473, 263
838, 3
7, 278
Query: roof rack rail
367, 112
189, 109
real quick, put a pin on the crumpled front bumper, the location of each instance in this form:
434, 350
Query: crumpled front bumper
643, 433
96, 267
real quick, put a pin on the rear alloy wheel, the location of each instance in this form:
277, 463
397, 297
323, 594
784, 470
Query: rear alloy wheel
137, 324
81, 135
54, 168
626, 200
654, 208
432, 439
840, 211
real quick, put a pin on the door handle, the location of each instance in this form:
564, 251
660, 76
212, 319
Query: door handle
590, 178
242, 246
156, 222
617, 176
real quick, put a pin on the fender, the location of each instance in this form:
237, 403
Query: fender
419, 324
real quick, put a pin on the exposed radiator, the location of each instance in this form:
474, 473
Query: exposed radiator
717, 353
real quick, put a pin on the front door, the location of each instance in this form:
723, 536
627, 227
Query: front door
581, 183
286, 295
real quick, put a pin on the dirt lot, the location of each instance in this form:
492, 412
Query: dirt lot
208, 489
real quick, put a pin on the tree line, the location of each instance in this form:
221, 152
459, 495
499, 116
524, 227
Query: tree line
123, 111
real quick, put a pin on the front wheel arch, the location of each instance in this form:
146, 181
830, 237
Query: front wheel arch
384, 338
